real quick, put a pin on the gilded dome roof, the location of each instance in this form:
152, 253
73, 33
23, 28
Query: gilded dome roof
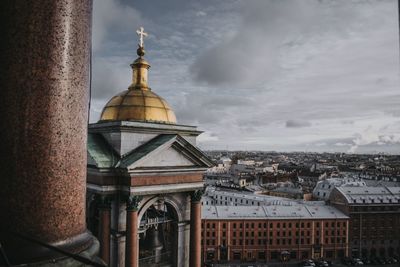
138, 105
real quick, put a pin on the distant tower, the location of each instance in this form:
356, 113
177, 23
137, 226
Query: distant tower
145, 179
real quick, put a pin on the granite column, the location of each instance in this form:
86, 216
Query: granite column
195, 229
105, 229
44, 81
132, 235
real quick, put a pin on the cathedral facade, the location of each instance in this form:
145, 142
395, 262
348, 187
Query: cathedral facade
145, 179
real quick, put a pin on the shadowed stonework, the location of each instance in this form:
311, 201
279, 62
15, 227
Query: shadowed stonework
45, 56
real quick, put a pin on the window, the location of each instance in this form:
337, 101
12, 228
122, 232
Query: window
234, 225
237, 256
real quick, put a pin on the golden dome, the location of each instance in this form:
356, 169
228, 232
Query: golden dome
138, 105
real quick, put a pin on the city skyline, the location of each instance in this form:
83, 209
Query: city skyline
261, 75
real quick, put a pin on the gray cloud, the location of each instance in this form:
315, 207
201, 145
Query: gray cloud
240, 70
297, 124
269, 30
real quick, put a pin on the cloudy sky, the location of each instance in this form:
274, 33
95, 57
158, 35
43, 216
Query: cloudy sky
284, 75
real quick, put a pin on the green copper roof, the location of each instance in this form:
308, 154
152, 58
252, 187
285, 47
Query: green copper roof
100, 153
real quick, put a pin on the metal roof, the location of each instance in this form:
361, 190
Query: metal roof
214, 212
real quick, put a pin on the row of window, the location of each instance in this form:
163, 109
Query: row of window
278, 225
277, 241
278, 233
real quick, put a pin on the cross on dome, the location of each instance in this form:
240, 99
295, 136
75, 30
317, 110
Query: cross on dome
141, 34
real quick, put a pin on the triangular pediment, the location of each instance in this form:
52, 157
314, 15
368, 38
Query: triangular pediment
168, 157
165, 151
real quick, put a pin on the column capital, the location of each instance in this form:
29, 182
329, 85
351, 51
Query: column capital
195, 196
132, 202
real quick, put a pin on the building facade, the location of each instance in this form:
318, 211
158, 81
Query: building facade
271, 231
374, 219
145, 179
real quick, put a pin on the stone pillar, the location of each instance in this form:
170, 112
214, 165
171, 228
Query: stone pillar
44, 81
105, 229
195, 229
132, 235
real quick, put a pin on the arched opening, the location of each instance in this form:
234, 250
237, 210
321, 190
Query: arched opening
391, 251
158, 235
382, 252
373, 252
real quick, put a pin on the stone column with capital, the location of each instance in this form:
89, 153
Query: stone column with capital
195, 229
104, 227
132, 237
44, 96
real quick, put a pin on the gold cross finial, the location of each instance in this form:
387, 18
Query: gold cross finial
141, 34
